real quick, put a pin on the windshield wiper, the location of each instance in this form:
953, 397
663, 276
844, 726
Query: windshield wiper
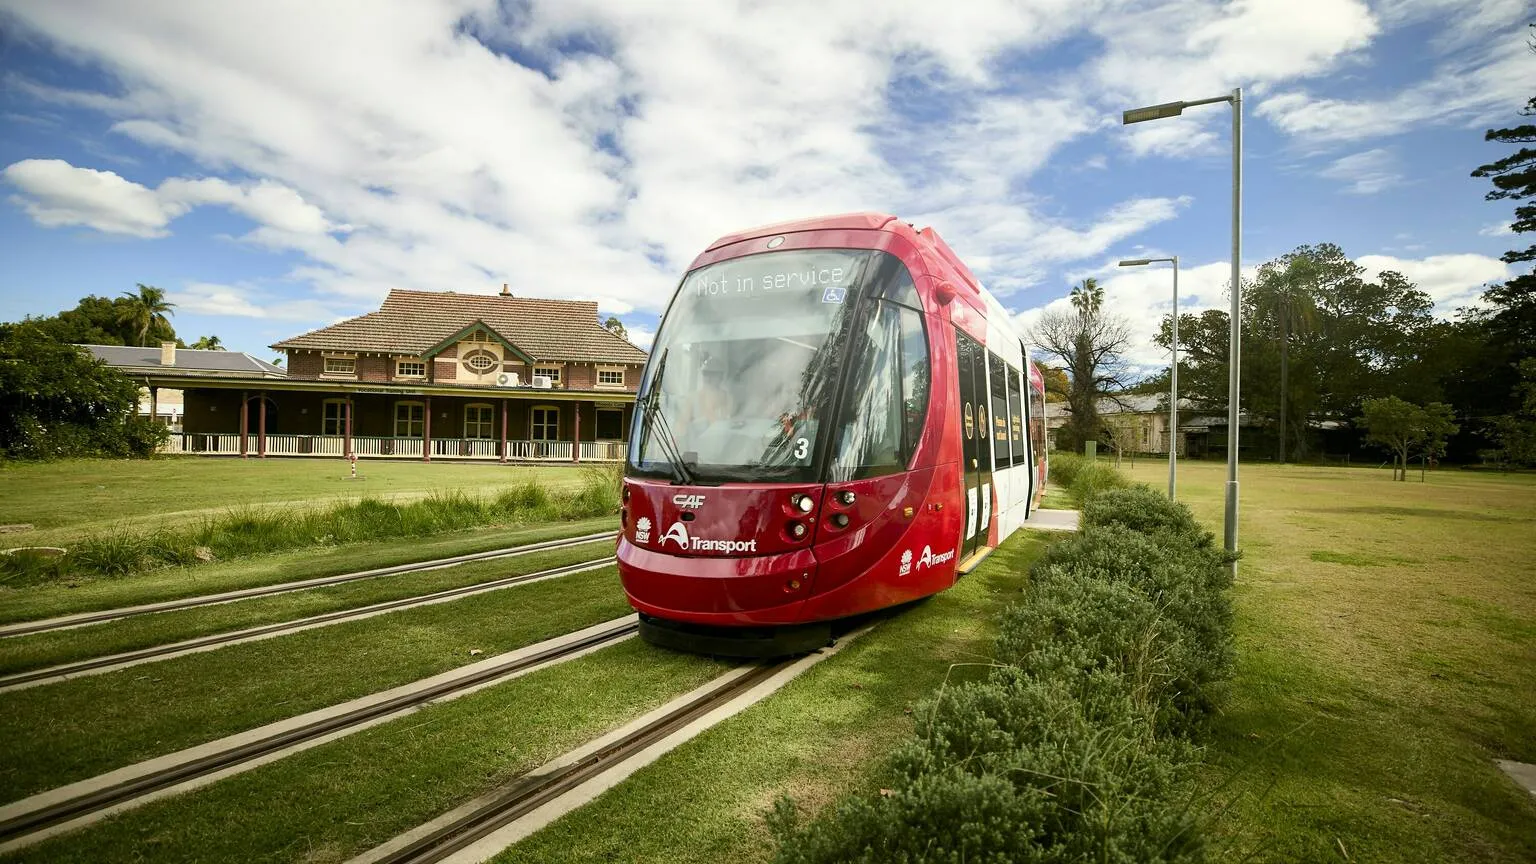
656, 423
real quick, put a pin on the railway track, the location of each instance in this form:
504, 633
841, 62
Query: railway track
30, 820
114, 662
23, 628
480, 829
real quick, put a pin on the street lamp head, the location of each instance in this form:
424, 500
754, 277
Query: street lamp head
1135, 262
1152, 112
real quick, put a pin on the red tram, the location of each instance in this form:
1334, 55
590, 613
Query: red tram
836, 418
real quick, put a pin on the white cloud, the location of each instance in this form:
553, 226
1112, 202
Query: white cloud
1451, 281
1497, 229
1466, 90
248, 301
1365, 173
56, 193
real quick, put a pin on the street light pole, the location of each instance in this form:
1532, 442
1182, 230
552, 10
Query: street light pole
1234, 359
1173, 388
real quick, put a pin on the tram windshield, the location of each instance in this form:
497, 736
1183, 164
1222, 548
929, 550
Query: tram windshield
746, 366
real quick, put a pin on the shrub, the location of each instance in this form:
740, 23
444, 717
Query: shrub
1084, 478
31, 567
1077, 747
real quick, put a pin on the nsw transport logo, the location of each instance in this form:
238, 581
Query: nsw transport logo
643, 530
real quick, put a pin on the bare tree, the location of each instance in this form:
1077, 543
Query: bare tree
1087, 343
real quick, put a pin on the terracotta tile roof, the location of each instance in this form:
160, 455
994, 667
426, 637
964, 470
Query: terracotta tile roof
411, 322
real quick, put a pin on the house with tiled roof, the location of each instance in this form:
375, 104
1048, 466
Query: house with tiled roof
430, 375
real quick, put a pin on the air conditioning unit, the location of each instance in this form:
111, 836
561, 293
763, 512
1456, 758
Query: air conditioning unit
508, 379
542, 382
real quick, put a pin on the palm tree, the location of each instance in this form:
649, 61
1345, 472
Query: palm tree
144, 310
1289, 297
208, 343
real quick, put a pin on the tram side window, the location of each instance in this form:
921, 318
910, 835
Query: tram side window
886, 397
1016, 417
997, 375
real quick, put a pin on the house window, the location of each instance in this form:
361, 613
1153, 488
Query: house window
341, 365
409, 419
553, 372
334, 417
479, 421
481, 361
610, 377
546, 423
410, 369
610, 424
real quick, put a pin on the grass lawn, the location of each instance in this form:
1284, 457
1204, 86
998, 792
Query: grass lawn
89, 594
340, 799
79, 496
22, 653
1386, 637
825, 733
58, 733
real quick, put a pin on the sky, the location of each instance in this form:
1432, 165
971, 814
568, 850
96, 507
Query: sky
277, 167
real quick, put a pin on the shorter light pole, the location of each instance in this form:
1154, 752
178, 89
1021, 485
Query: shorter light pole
1173, 387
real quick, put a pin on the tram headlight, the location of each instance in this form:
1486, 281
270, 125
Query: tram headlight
840, 520
797, 530
803, 503
846, 497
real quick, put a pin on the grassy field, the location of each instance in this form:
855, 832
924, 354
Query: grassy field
66, 499
1386, 655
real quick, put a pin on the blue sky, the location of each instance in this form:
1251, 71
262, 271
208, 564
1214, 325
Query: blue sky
280, 167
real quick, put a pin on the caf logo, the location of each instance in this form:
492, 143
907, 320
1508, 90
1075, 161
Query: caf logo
906, 563
643, 530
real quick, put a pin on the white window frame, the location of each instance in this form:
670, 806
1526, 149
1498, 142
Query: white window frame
340, 418
417, 361
610, 370
325, 365
596, 425
552, 372
475, 354
409, 422
490, 424
535, 427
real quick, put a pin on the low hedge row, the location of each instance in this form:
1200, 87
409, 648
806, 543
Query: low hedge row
1083, 477
252, 530
1079, 746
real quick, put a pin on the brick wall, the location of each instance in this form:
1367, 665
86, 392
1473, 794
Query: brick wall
580, 377
374, 368
304, 364
445, 370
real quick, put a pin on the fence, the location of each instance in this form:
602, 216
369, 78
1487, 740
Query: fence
376, 447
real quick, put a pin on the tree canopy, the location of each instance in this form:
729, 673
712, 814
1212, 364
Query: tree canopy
1406, 429
1087, 342
106, 321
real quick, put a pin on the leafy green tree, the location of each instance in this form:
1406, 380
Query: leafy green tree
146, 308
208, 343
56, 401
1405, 428
1057, 384
614, 325
1516, 432
1284, 299
1087, 342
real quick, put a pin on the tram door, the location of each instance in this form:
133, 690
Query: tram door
974, 425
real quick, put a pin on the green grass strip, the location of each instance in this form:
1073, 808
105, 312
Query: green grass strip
340, 799
23, 653
822, 735
59, 733
92, 594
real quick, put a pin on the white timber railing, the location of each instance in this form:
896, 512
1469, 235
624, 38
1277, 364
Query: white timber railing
384, 447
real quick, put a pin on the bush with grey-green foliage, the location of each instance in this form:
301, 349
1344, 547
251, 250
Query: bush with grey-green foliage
1078, 746
1084, 478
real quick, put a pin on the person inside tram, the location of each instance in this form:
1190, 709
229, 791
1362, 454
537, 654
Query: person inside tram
712, 402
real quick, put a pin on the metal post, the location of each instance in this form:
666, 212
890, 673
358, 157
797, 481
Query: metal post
1173, 396
1234, 359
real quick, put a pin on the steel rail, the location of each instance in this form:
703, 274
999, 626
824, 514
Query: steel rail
113, 662
14, 831
24, 628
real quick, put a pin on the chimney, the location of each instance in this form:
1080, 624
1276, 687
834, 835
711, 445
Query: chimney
505, 291
167, 353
